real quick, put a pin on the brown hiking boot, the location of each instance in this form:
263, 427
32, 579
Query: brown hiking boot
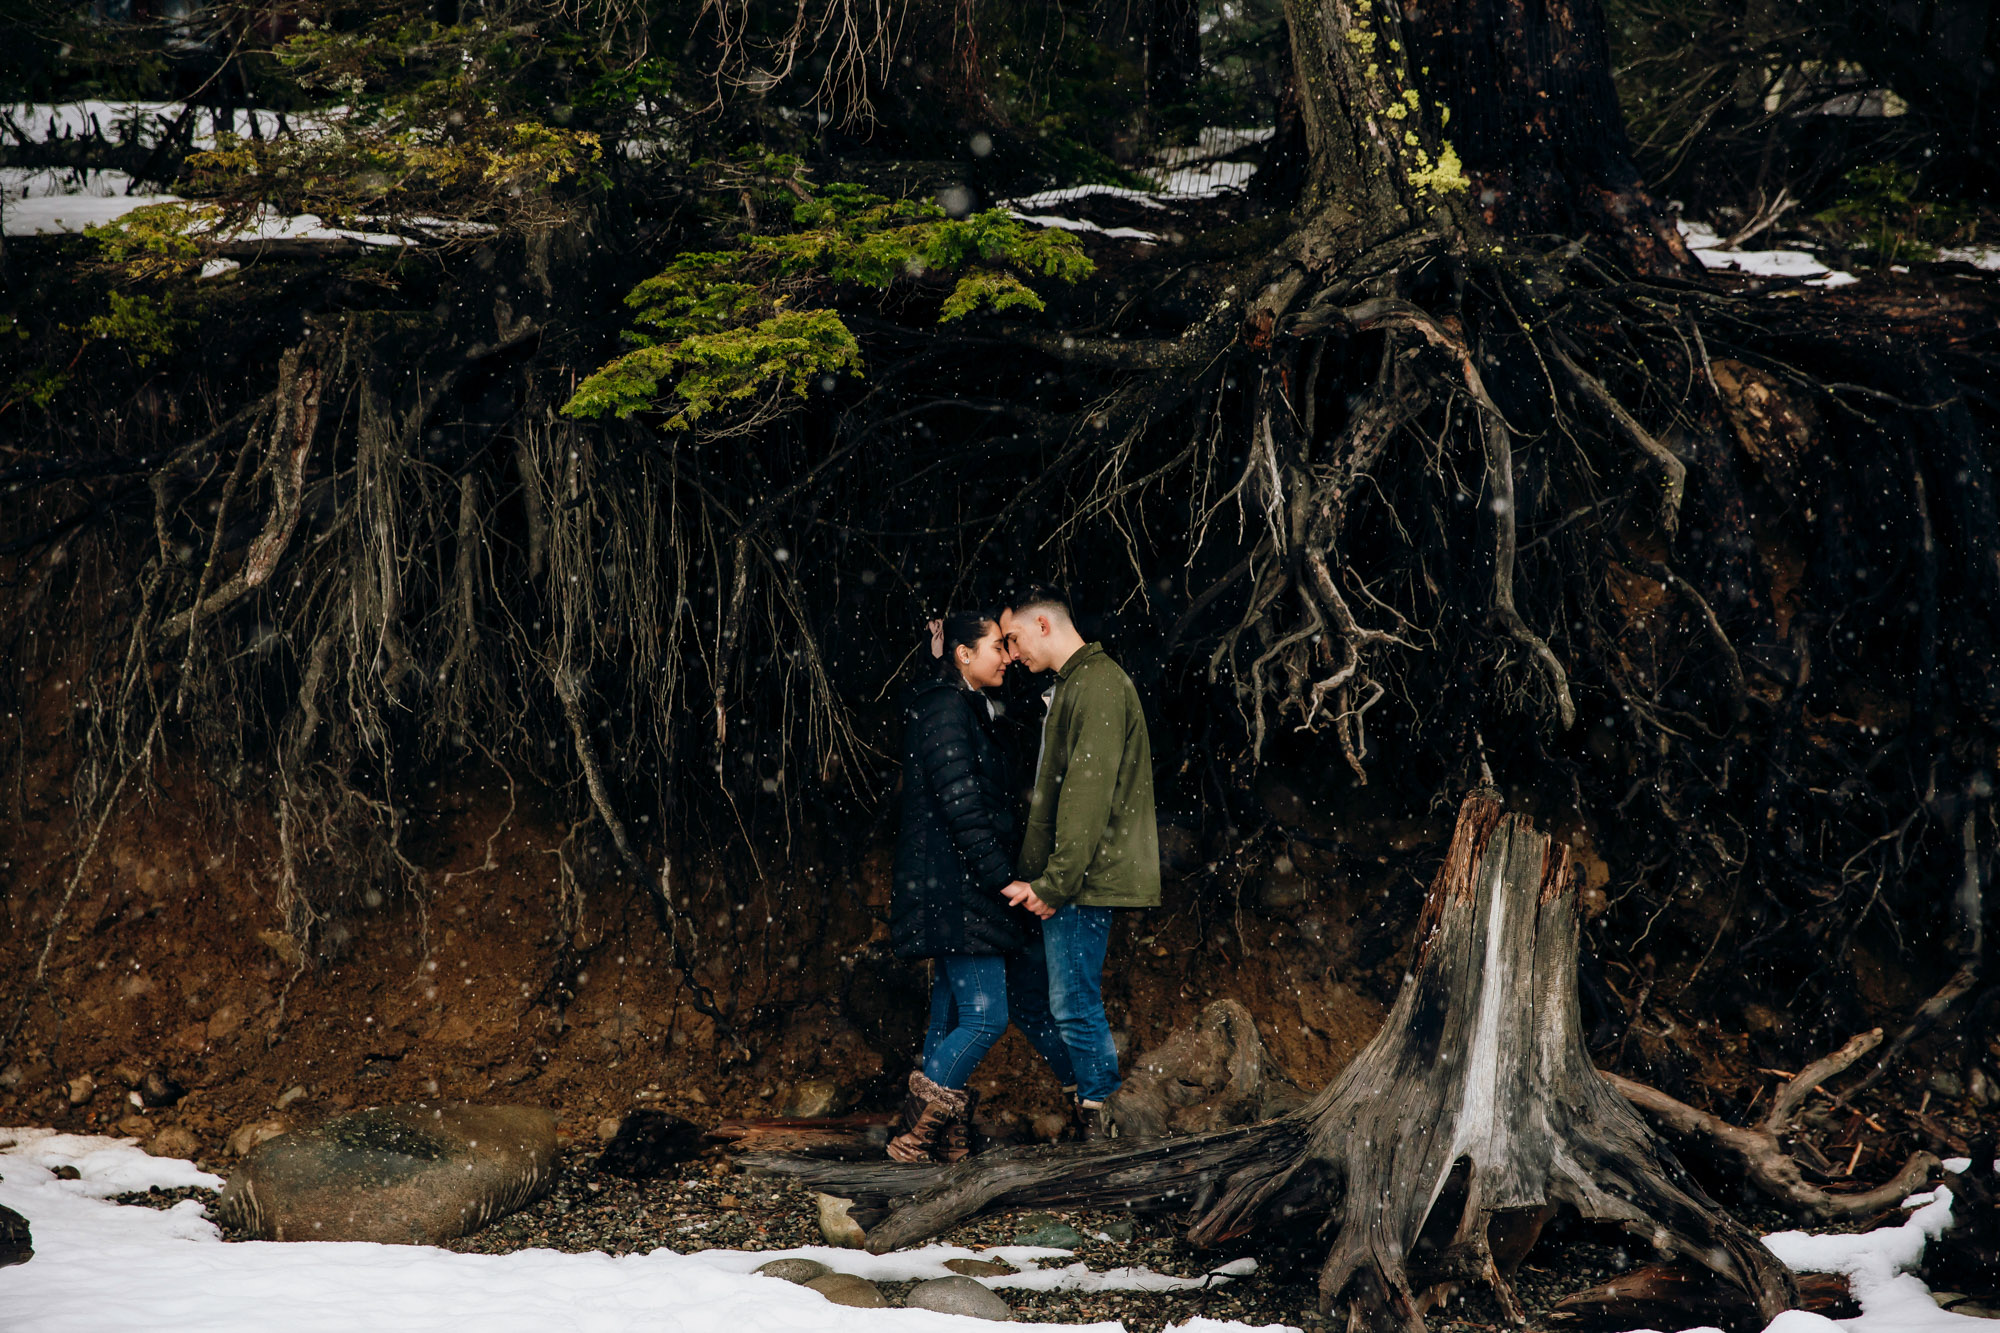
941, 1105
956, 1144
912, 1107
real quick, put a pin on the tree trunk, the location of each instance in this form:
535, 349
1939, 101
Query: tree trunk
1478, 1091
1173, 53
1538, 126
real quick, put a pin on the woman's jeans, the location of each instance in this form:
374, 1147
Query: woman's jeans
973, 996
1075, 939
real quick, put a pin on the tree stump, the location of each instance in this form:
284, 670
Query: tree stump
1478, 1092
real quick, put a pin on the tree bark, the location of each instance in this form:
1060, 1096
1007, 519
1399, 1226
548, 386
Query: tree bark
1478, 1088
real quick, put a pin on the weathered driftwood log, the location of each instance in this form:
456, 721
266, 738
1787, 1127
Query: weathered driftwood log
846, 1136
1759, 1148
1479, 1081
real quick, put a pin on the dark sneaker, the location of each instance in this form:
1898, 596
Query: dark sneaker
1094, 1124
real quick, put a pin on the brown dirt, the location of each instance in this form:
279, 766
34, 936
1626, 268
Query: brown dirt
174, 957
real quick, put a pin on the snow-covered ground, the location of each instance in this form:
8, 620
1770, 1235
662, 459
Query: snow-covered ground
98, 1266
101, 1266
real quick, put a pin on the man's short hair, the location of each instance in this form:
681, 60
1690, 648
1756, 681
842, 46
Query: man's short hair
1043, 597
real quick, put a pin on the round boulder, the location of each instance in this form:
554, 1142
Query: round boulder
800, 1271
16, 1245
958, 1295
846, 1289
400, 1175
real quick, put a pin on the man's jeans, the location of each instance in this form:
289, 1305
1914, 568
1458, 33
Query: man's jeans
1075, 939
972, 999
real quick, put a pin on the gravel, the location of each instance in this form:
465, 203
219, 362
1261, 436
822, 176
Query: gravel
707, 1204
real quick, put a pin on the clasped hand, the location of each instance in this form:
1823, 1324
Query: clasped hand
1021, 894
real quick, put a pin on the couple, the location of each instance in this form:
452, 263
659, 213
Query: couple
1018, 923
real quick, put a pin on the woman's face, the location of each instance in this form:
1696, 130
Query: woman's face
983, 664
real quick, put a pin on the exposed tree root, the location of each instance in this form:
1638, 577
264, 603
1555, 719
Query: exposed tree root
1760, 1151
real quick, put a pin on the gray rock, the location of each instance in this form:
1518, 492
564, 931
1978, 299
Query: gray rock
813, 1098
846, 1289
247, 1137
800, 1271
1120, 1230
411, 1175
174, 1141
958, 1295
16, 1247
1947, 1084
81, 1089
835, 1224
980, 1267
1042, 1229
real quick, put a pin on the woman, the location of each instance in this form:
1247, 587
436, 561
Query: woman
954, 855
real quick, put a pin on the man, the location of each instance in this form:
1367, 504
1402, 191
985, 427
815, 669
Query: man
1091, 843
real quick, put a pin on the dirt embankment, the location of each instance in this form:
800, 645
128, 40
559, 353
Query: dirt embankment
172, 959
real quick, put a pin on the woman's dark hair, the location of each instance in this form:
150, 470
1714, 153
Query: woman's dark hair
962, 627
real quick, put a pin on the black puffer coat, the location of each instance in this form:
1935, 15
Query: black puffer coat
956, 849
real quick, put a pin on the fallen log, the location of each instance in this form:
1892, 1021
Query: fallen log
834, 1137
1479, 1080
1666, 1295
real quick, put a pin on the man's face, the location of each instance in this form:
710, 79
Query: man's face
1027, 639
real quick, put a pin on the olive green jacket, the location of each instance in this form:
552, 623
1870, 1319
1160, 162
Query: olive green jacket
1091, 838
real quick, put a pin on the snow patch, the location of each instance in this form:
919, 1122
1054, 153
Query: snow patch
1707, 247
1979, 256
1083, 224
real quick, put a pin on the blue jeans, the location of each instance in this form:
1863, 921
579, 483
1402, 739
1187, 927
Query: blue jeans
1075, 939
972, 999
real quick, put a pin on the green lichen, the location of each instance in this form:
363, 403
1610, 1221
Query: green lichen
1445, 176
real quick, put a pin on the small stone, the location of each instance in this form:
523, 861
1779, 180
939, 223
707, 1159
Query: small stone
249, 1136
607, 1129
980, 1267
135, 1127
81, 1089
10, 1078
158, 1088
1050, 1127
1119, 1231
958, 1295
846, 1289
174, 1141
1980, 1088
836, 1226
800, 1271
292, 1094
812, 1099
1050, 1231
68, 1172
